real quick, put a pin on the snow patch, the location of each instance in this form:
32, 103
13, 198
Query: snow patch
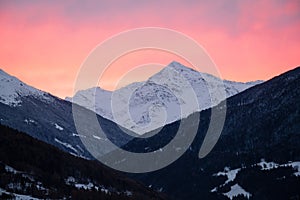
17, 196
78, 135
88, 186
128, 193
296, 165
231, 174
66, 145
58, 127
70, 180
29, 121
10, 169
267, 165
272, 165
235, 191
98, 138
40, 187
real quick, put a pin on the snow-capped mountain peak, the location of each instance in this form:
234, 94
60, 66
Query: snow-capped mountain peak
169, 95
179, 67
12, 90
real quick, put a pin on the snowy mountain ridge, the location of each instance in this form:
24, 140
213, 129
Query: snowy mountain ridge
12, 90
169, 95
49, 118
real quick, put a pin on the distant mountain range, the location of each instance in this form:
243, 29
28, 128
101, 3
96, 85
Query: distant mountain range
49, 118
163, 98
256, 157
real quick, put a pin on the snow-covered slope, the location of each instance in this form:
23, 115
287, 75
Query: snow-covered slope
86, 98
12, 89
49, 118
173, 93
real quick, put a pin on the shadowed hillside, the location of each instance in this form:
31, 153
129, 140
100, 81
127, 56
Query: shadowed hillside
34, 168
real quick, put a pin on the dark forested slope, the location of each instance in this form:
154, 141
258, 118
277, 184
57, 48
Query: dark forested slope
34, 168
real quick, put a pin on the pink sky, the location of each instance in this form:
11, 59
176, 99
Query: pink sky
44, 42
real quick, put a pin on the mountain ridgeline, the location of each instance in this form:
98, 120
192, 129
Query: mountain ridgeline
50, 119
257, 155
140, 106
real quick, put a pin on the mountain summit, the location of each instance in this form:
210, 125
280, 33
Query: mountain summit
169, 95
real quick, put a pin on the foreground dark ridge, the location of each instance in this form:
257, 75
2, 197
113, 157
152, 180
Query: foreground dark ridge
262, 122
34, 168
